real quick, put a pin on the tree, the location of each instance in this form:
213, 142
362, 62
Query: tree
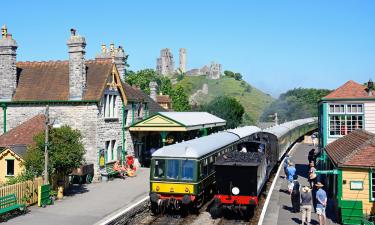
228, 73
227, 108
65, 150
237, 76
165, 85
180, 100
142, 78
295, 104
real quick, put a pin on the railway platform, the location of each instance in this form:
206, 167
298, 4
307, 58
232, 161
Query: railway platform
90, 203
279, 207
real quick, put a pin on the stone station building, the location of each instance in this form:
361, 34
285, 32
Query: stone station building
88, 95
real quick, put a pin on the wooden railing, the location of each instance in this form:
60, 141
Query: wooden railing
26, 192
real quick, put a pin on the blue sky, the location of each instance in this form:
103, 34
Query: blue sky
276, 45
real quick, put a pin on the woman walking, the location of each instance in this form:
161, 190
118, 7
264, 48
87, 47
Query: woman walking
306, 205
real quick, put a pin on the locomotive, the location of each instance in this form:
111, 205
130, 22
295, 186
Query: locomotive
241, 176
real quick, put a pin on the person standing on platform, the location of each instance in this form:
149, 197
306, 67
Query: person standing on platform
295, 195
313, 138
312, 175
306, 205
311, 156
291, 171
286, 162
321, 203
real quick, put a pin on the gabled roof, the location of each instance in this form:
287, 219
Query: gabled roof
50, 80
163, 99
349, 90
194, 118
24, 133
357, 149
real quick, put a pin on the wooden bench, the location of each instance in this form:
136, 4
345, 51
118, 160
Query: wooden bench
109, 172
9, 203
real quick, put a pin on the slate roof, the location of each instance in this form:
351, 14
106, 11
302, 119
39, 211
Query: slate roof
24, 133
163, 99
350, 89
357, 149
50, 80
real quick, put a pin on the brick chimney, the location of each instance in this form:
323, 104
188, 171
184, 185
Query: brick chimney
118, 56
77, 67
153, 85
8, 69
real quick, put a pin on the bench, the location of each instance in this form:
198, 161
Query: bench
109, 172
9, 203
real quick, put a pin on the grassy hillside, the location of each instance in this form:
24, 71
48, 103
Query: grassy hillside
253, 100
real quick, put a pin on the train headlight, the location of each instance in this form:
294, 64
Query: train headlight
235, 190
157, 188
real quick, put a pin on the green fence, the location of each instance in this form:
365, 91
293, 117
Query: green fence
351, 212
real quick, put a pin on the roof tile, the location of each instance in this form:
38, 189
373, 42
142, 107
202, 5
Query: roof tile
350, 89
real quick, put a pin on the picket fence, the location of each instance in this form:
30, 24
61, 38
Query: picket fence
27, 189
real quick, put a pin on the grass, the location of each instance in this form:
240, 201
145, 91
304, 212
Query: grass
253, 100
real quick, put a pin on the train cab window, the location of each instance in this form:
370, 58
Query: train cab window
172, 169
159, 168
187, 170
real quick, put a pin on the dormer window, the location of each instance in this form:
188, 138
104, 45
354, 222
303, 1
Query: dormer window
110, 106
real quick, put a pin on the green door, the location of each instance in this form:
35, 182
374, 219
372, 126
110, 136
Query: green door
351, 212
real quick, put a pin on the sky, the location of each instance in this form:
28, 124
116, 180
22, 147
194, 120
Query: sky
276, 45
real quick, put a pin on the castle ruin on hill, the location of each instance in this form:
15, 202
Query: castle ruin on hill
165, 65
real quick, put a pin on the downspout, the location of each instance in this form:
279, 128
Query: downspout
133, 112
4, 106
123, 133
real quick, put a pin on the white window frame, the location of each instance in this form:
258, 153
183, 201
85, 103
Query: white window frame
372, 185
110, 106
111, 150
345, 113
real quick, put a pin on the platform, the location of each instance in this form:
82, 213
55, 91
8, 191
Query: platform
278, 210
91, 203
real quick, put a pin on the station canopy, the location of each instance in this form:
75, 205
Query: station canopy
178, 121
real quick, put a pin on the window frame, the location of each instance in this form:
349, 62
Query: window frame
6, 172
371, 185
110, 106
347, 117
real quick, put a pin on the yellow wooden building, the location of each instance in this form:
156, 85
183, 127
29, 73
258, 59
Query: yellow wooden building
13, 146
352, 160
11, 162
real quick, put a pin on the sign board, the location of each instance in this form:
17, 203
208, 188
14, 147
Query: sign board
101, 158
356, 185
44, 195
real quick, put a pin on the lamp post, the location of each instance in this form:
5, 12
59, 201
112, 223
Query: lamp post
46, 115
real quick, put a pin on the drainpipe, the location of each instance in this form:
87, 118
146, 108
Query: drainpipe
123, 132
4, 106
133, 105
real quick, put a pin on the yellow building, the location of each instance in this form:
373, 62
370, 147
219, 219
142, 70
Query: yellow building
352, 159
11, 160
13, 146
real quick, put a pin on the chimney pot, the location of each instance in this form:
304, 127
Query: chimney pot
73, 32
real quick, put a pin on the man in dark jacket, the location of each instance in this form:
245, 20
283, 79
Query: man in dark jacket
295, 195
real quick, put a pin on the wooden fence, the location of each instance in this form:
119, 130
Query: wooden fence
27, 189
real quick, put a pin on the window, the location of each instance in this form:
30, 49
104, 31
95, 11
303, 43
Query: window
159, 168
343, 119
372, 185
111, 148
110, 106
172, 169
10, 167
187, 170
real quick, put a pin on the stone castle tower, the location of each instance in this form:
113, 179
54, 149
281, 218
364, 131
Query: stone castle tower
77, 66
8, 69
215, 71
165, 63
183, 60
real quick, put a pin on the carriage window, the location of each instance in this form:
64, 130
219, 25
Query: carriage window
159, 170
187, 170
172, 169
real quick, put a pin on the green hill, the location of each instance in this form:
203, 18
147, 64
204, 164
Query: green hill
253, 100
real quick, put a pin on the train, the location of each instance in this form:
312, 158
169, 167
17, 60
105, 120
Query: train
184, 175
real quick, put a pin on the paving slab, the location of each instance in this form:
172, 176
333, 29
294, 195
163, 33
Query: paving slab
279, 208
89, 204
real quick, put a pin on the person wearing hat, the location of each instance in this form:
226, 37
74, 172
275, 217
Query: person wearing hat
291, 170
321, 203
306, 205
295, 194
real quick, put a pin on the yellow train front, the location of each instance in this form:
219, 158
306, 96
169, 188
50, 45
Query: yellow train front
182, 175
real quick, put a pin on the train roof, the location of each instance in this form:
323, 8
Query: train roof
198, 147
284, 128
237, 158
244, 131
